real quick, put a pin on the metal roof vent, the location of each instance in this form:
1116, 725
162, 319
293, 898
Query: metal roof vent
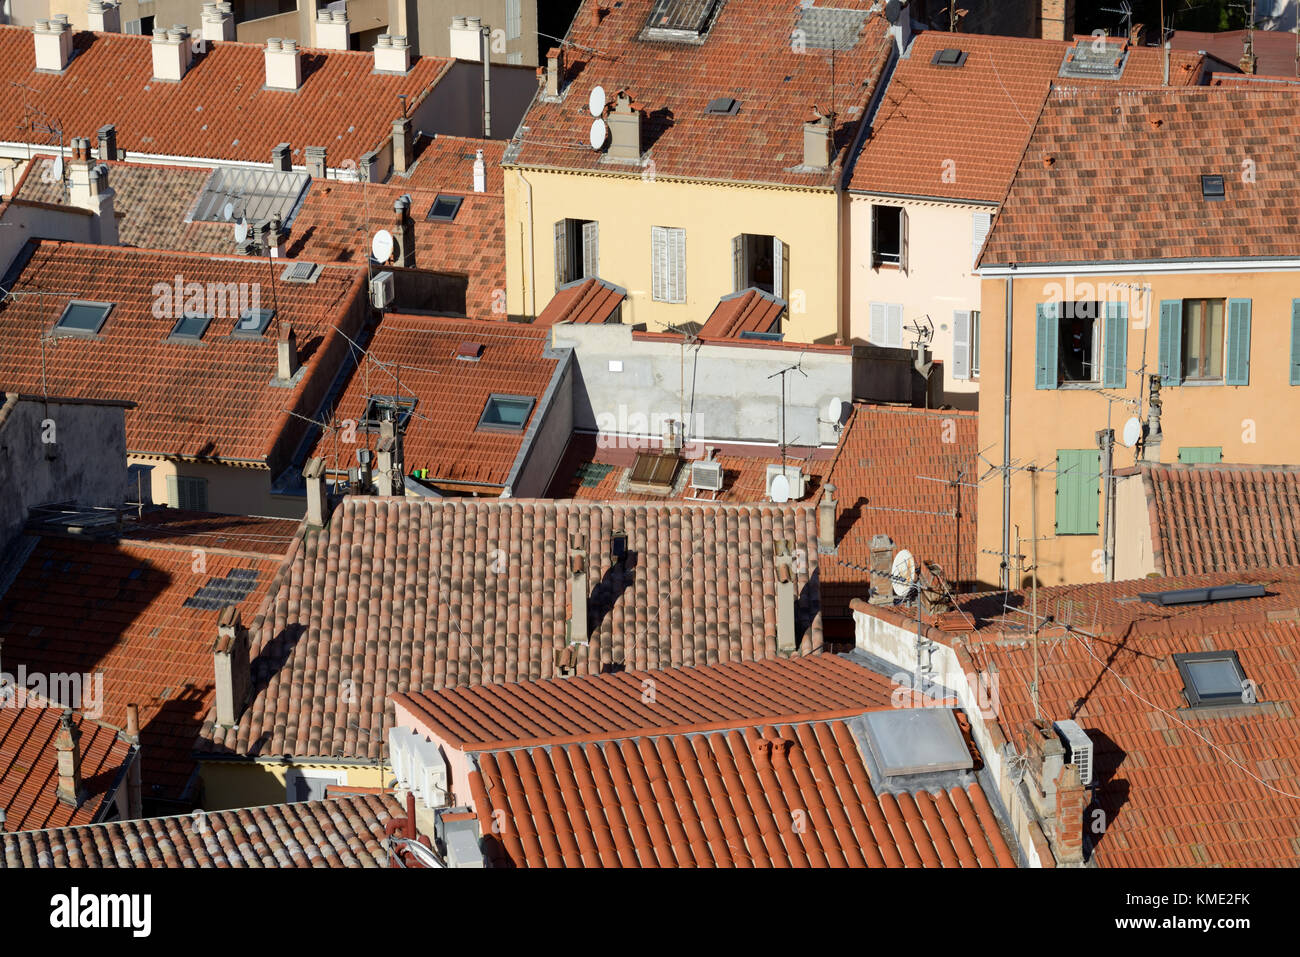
680, 21
723, 106
301, 272
828, 28
950, 58
1203, 596
1095, 59
1212, 188
470, 351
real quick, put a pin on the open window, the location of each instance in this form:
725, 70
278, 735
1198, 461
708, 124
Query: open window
1205, 341
966, 344
1213, 678
760, 262
889, 236
577, 250
1079, 342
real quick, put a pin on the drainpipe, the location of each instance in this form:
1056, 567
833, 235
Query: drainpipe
487, 68
1005, 573
530, 276
1106, 441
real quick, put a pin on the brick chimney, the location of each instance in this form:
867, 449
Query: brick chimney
1248, 62
882, 564
818, 140
171, 54
318, 507
404, 231
1055, 790
403, 145
107, 143
282, 158
332, 29
576, 626
624, 129
67, 744
218, 22
1071, 799
783, 556
554, 72
388, 476
230, 654
392, 54
283, 64
53, 44
480, 173
286, 353
1056, 18
826, 521
316, 162
134, 802
104, 17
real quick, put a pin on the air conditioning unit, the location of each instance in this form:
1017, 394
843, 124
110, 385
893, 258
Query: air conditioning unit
428, 772
1079, 745
793, 475
399, 741
382, 290
706, 476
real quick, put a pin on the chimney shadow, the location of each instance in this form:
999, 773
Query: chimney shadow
618, 578
1109, 793
273, 656
311, 62
657, 123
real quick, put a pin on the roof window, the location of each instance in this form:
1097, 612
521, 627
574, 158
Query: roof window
83, 317
1201, 596
444, 208
723, 106
506, 413
1214, 678
1212, 188
253, 322
950, 58
191, 326
382, 407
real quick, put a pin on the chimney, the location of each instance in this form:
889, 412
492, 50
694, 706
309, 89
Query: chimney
1248, 62
104, 17
286, 353
577, 623
317, 500
465, 38
171, 54
273, 237
88, 188
933, 590
900, 30
392, 54
283, 64
1071, 799
67, 743
316, 165
218, 22
1152, 434
1057, 19
332, 29
555, 72
404, 226
53, 44
134, 803
624, 129
818, 140
133, 722
826, 521
282, 158
107, 143
882, 564
388, 481
230, 664
403, 147
783, 553
480, 173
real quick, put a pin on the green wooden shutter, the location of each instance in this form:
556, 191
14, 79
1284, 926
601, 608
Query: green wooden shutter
1171, 342
1200, 454
1045, 357
1295, 341
1078, 491
1114, 369
1238, 359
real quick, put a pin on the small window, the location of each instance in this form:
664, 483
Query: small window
445, 208
1212, 188
187, 493
723, 106
379, 407
506, 412
253, 322
577, 250
191, 326
887, 235
83, 318
1203, 337
1214, 678
950, 57
1079, 341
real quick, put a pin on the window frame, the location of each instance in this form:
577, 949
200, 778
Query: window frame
176, 336
497, 397
1097, 358
1194, 697
674, 278
877, 261
60, 329
456, 201
240, 332
1221, 378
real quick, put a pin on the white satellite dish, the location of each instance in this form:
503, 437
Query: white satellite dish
596, 103
835, 411
598, 133
56, 168
780, 489
229, 210
381, 247
1132, 432
241, 231
903, 571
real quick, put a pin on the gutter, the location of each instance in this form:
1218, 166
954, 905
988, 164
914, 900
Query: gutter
1134, 266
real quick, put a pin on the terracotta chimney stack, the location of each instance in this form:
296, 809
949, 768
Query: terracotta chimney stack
67, 742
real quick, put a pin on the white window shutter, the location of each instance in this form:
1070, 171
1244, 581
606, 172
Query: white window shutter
980, 223
903, 242
894, 324
877, 331
961, 342
590, 250
561, 253
658, 262
678, 249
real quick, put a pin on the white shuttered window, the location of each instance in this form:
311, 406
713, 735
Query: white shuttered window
668, 264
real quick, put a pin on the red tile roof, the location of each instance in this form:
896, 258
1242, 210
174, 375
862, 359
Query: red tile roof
221, 110
892, 475
134, 612
496, 716
586, 301
209, 400
958, 132
747, 55
416, 357
446, 164
397, 594
751, 310
337, 832
1212, 518
1275, 50
29, 774
754, 795
1128, 162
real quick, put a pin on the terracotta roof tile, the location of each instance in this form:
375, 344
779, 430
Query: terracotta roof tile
1275, 49
585, 301
749, 311
446, 164
337, 832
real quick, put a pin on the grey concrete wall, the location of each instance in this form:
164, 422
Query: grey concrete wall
85, 464
23, 222
542, 450
434, 27
455, 105
730, 394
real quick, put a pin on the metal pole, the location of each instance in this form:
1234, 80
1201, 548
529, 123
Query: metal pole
1106, 440
1005, 571
487, 67
1033, 606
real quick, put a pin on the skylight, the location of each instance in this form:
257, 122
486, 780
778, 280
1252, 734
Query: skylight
829, 28
1214, 678
445, 208
1093, 60
1212, 187
950, 57
680, 20
723, 106
506, 412
1198, 596
303, 272
191, 326
253, 322
83, 318
905, 741
254, 195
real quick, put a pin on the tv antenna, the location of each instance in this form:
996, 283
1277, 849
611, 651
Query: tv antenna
797, 367
1125, 12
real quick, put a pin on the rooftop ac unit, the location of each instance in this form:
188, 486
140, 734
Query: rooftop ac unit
1080, 748
793, 475
382, 290
706, 476
399, 742
428, 772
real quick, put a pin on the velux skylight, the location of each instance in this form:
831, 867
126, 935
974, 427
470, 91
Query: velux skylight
83, 318
191, 326
1214, 678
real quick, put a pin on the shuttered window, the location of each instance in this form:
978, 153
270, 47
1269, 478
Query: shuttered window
1171, 342
1078, 491
590, 250
1237, 371
1114, 344
980, 223
668, 264
1200, 454
1045, 355
961, 344
190, 494
886, 324
514, 19
1295, 341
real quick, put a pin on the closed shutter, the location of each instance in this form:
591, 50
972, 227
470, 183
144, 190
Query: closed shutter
974, 344
658, 262
677, 264
1114, 367
961, 344
514, 19
1045, 372
781, 268
902, 242
590, 250
1078, 491
1171, 342
894, 324
561, 253
1238, 364
877, 332
191, 493
980, 223
1200, 454
737, 263
1295, 341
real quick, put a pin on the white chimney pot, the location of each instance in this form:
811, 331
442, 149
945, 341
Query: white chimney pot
53, 44
392, 54
283, 64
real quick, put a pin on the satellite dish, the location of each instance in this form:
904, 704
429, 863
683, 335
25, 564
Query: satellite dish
835, 411
903, 572
241, 231
598, 132
780, 489
229, 210
892, 9
1132, 432
56, 168
381, 247
596, 103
